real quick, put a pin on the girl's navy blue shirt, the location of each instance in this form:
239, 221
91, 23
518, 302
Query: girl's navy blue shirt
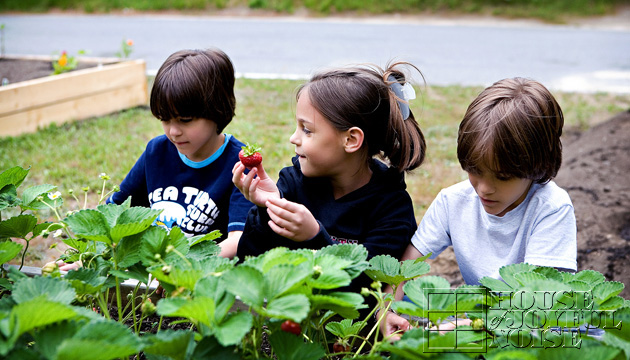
199, 197
378, 215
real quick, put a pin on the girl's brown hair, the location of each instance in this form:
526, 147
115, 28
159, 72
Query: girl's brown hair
513, 129
197, 84
362, 97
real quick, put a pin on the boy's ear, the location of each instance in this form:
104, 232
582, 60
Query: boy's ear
354, 139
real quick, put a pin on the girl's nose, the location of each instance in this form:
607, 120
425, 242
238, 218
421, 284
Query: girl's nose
294, 138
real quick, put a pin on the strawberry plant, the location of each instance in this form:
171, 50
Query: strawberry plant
292, 298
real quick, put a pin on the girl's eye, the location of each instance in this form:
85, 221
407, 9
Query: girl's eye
185, 120
306, 130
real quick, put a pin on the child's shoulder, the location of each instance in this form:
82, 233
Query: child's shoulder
550, 194
461, 189
158, 142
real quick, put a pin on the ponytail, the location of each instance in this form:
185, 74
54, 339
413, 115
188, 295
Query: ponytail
404, 146
363, 97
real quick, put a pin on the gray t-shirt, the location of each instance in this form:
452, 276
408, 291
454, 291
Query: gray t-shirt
539, 231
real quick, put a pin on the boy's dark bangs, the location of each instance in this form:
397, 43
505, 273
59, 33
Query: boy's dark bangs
492, 151
173, 99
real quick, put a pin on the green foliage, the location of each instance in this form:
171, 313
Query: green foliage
54, 316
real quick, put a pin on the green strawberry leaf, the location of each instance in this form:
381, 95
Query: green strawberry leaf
290, 347
54, 289
345, 328
590, 277
18, 226
294, 307
153, 241
133, 221
39, 312
102, 340
356, 255
169, 344
246, 282
13, 176
198, 310
234, 328
31, 193
213, 235
550, 273
85, 281
331, 274
282, 278
495, 284
9, 250
606, 290
345, 304
507, 273
89, 224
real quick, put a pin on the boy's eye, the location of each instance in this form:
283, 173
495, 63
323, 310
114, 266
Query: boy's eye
185, 120
503, 177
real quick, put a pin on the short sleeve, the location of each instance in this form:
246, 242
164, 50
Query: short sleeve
433, 233
553, 241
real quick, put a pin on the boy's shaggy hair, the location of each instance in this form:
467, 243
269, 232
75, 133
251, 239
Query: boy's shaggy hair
513, 129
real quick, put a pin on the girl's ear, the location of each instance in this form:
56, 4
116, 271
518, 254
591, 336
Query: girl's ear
354, 139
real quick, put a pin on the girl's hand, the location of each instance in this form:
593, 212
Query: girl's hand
255, 189
393, 326
291, 220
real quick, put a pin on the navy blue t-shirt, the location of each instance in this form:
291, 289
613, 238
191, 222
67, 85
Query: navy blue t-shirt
199, 197
378, 215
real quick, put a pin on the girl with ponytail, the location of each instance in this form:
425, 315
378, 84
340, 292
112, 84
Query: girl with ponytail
355, 138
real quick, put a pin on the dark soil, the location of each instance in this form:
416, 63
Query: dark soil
16, 70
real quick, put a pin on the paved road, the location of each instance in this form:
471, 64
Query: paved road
562, 57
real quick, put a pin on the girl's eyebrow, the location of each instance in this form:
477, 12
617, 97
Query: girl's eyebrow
303, 121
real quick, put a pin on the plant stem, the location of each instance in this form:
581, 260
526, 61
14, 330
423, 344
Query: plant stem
118, 299
24, 254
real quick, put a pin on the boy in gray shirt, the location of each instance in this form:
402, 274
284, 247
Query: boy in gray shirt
509, 210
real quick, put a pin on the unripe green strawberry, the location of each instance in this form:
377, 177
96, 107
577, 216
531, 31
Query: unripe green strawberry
477, 324
250, 155
147, 307
50, 268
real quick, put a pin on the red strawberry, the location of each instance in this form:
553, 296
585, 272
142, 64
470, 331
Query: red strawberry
250, 156
341, 346
291, 327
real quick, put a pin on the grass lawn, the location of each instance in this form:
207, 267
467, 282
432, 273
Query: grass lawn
73, 155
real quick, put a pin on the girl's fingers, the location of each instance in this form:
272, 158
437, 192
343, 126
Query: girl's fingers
285, 204
279, 230
278, 210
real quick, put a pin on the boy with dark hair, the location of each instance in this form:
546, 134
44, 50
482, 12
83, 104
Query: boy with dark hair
509, 211
187, 172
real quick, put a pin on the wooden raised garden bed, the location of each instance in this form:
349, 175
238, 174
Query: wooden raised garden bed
102, 88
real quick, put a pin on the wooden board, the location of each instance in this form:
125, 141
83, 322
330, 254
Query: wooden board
29, 105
